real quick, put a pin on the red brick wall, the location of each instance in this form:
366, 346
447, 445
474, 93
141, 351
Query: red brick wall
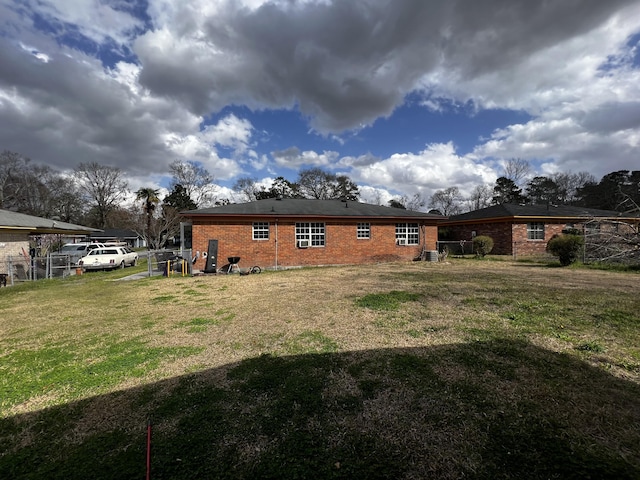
508, 237
342, 247
499, 232
524, 247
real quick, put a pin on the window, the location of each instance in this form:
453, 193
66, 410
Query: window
407, 234
363, 230
310, 232
535, 231
261, 230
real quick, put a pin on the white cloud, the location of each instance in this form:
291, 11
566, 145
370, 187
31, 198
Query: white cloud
436, 167
100, 21
231, 132
341, 64
293, 158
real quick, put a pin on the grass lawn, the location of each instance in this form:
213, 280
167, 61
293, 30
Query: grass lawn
465, 369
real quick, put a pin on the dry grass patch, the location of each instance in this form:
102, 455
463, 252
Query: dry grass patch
410, 370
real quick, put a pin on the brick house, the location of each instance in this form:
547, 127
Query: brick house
281, 233
524, 230
18, 231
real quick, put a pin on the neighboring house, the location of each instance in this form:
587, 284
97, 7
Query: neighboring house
524, 230
17, 230
119, 235
274, 233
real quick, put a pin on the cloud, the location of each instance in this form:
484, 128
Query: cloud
614, 116
101, 22
293, 158
72, 109
432, 169
111, 82
344, 64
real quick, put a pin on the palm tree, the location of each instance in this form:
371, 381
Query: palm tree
150, 198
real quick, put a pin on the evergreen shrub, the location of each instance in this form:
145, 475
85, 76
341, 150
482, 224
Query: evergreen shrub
566, 247
482, 245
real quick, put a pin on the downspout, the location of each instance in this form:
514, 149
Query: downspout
276, 262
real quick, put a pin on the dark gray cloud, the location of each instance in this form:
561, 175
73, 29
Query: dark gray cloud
63, 111
346, 63
342, 63
613, 117
488, 36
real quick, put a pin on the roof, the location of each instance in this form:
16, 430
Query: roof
19, 221
115, 233
302, 207
512, 211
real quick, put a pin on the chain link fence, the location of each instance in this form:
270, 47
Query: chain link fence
169, 262
21, 269
455, 247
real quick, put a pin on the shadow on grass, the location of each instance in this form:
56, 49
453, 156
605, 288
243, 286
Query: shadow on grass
499, 409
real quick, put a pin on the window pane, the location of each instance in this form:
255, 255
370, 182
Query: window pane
363, 230
261, 230
311, 232
407, 233
535, 231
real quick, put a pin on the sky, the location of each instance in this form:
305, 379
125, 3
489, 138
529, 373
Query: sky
404, 97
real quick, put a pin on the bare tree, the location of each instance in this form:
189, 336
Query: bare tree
414, 203
12, 170
67, 200
612, 241
315, 183
570, 183
248, 187
164, 224
480, 197
103, 187
38, 190
447, 201
196, 181
321, 185
517, 170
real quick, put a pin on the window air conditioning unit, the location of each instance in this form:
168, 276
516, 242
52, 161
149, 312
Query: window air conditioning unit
303, 243
402, 241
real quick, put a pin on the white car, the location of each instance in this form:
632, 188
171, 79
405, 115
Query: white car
78, 250
105, 258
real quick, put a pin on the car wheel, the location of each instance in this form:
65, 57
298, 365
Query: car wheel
135, 262
122, 264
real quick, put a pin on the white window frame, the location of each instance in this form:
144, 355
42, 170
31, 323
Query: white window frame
260, 231
363, 231
312, 232
535, 231
407, 234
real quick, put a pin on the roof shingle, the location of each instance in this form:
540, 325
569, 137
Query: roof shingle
309, 208
9, 219
510, 210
